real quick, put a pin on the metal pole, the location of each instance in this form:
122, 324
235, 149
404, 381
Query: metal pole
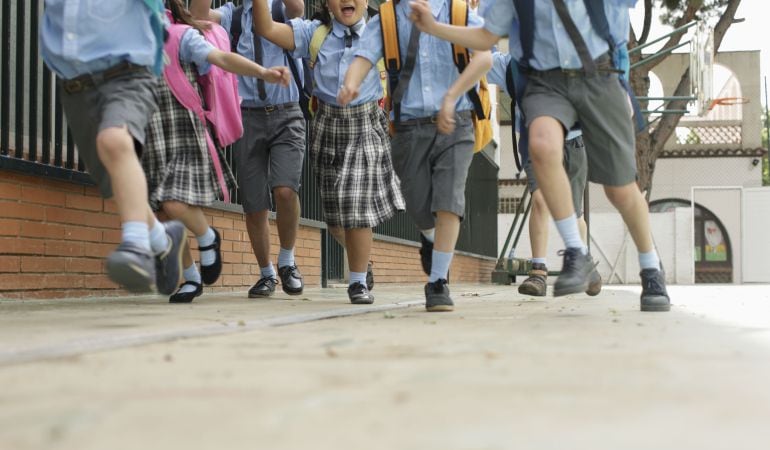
767, 116
678, 30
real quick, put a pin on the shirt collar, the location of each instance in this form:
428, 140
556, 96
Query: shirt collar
339, 29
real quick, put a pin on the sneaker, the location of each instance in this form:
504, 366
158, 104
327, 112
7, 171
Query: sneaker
535, 284
575, 271
359, 294
654, 296
437, 297
132, 267
263, 288
291, 280
210, 274
188, 296
426, 254
369, 277
594, 282
168, 264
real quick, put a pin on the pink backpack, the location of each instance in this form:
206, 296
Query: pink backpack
220, 91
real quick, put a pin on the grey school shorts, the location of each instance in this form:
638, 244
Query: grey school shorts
127, 100
577, 171
433, 168
600, 104
269, 154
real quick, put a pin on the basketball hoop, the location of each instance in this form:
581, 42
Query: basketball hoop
727, 101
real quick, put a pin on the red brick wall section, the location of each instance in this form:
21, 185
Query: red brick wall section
54, 236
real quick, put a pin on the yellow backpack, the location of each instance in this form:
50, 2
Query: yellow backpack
319, 36
482, 105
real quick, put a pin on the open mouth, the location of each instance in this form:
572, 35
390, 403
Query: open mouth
348, 11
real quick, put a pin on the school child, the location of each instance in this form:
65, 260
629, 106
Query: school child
105, 63
184, 166
269, 156
349, 145
506, 76
434, 138
572, 78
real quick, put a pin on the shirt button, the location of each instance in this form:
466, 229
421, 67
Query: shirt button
70, 36
427, 88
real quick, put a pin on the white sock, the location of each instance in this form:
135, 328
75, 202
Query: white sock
207, 256
191, 274
430, 235
539, 261
570, 233
267, 272
439, 268
158, 238
359, 277
285, 257
649, 260
136, 233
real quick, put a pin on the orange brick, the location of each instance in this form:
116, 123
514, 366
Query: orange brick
222, 223
229, 235
84, 265
41, 230
110, 206
64, 248
83, 202
16, 281
75, 233
9, 227
98, 282
112, 236
42, 264
43, 196
21, 210
10, 264
231, 257
63, 281
22, 246
10, 190
74, 217
94, 250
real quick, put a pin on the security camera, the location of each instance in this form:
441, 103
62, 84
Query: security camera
754, 162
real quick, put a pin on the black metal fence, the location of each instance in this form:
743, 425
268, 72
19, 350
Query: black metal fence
34, 139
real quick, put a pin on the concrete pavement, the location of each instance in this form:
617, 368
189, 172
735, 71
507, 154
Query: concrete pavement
501, 372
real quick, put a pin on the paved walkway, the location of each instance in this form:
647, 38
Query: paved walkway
501, 372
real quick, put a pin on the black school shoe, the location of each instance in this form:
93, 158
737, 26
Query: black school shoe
426, 254
359, 294
210, 274
575, 272
265, 287
186, 297
291, 280
437, 297
168, 263
132, 267
654, 296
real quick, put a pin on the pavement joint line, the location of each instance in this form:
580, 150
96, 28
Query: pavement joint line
76, 347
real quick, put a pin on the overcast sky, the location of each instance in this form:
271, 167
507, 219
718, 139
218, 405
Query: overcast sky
752, 34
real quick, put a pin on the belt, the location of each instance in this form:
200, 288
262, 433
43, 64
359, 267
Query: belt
603, 65
270, 108
89, 81
429, 120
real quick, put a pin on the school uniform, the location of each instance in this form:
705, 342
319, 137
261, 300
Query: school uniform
349, 146
558, 86
432, 167
272, 149
575, 163
103, 53
177, 161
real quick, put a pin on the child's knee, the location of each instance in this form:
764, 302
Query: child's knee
283, 194
114, 142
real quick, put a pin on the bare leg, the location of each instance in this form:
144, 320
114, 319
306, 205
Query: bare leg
538, 225
287, 215
258, 227
129, 186
631, 205
358, 244
191, 216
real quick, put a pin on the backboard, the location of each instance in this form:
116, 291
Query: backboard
702, 68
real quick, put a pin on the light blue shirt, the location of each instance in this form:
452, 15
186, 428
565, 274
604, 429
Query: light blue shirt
334, 59
272, 55
434, 71
78, 37
195, 49
553, 47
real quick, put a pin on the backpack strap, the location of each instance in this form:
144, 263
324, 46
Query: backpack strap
319, 36
236, 28
302, 82
458, 16
526, 12
510, 85
390, 45
158, 25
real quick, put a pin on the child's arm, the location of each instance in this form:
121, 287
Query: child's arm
279, 34
472, 37
235, 63
355, 75
201, 10
479, 65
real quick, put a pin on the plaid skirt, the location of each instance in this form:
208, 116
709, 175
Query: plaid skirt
350, 151
176, 158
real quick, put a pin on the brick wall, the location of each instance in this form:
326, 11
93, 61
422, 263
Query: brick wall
54, 236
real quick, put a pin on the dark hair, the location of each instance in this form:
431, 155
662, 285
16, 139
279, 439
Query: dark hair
182, 15
323, 14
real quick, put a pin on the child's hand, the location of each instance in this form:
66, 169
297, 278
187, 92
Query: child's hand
346, 95
446, 116
421, 15
278, 74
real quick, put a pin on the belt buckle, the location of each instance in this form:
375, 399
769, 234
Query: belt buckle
270, 108
434, 119
73, 86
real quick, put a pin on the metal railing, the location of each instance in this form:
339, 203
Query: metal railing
34, 139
